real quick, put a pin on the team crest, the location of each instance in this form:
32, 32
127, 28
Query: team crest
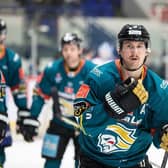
58, 78
96, 71
68, 90
164, 84
116, 138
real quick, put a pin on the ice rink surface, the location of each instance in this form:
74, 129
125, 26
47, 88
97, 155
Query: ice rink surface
27, 155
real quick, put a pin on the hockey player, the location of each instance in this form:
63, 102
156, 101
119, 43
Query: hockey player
3, 118
10, 65
118, 106
66, 74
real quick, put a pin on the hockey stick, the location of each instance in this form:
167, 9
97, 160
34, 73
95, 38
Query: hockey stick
68, 121
164, 161
56, 108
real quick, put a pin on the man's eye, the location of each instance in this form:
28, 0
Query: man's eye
128, 46
140, 46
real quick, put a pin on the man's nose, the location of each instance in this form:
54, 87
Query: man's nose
134, 49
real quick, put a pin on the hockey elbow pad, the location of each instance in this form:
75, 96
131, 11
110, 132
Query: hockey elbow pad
125, 98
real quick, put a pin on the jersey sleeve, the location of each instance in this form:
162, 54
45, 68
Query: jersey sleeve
17, 83
160, 120
159, 110
41, 92
93, 118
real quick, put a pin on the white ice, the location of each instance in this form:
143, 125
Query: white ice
27, 155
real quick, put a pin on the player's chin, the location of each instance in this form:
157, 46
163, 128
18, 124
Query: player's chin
72, 64
134, 64
69, 62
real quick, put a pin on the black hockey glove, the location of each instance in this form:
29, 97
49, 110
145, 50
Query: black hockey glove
30, 128
21, 115
3, 125
164, 138
125, 98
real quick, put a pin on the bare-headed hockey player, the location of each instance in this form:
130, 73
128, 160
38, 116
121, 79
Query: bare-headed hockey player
124, 100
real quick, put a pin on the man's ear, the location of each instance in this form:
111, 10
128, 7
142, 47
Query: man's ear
118, 50
148, 51
80, 51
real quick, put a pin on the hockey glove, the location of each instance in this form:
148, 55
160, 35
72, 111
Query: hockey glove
3, 125
125, 98
22, 114
30, 129
164, 138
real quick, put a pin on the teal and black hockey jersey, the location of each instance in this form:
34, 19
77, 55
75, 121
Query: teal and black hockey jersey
11, 67
3, 109
67, 84
114, 142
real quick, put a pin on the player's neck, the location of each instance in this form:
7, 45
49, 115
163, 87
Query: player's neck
136, 74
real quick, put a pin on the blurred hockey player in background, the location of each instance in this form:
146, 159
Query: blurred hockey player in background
11, 66
65, 75
125, 107
4, 134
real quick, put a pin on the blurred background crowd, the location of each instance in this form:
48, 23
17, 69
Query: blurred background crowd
36, 26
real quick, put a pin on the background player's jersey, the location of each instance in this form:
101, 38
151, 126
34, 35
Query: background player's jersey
10, 64
120, 142
3, 109
7, 141
67, 84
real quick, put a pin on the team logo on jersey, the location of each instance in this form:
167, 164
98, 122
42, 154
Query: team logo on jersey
68, 90
164, 84
116, 138
132, 119
97, 72
58, 78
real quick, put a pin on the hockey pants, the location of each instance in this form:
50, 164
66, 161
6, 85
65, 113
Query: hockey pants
64, 135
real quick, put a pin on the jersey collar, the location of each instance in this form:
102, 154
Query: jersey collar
118, 65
